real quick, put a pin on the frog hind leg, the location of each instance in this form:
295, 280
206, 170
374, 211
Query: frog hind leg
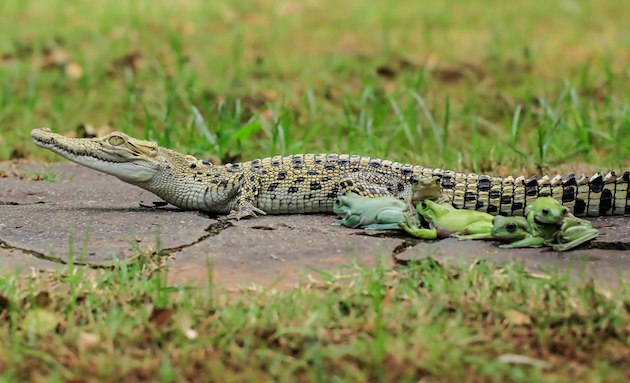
410, 226
530, 241
351, 221
387, 219
588, 235
382, 226
477, 230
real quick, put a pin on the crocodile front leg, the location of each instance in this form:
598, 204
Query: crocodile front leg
245, 197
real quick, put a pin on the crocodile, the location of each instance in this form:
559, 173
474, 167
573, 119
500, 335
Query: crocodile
310, 183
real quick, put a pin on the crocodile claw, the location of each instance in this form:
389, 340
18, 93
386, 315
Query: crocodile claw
245, 212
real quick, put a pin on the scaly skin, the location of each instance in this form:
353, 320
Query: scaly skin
310, 183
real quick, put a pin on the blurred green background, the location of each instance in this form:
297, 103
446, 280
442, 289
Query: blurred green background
529, 86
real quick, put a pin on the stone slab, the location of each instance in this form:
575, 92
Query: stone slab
279, 250
89, 215
608, 267
98, 218
16, 261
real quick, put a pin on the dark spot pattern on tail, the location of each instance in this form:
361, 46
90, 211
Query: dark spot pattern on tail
580, 206
447, 181
597, 184
605, 203
484, 183
531, 187
568, 194
569, 180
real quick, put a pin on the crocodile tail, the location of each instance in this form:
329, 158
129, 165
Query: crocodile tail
596, 195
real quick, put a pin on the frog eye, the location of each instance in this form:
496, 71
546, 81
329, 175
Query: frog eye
545, 211
424, 205
566, 211
116, 140
510, 227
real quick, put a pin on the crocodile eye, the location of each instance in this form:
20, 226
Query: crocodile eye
545, 211
510, 227
116, 140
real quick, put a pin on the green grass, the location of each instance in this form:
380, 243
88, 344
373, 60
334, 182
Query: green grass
422, 321
465, 85
474, 86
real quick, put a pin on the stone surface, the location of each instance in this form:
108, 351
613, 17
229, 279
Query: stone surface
98, 218
606, 266
279, 250
87, 214
16, 261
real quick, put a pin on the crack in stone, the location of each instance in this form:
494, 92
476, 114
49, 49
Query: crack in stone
407, 244
619, 246
394, 234
44, 257
13, 203
213, 230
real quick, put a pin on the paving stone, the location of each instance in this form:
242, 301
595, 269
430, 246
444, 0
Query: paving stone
93, 216
16, 261
98, 218
606, 266
279, 250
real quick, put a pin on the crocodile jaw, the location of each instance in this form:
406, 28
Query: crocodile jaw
131, 162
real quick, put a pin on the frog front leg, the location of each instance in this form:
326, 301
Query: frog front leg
411, 226
528, 241
351, 220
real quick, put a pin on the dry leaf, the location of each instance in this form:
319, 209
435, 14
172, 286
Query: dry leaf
386, 72
269, 95
132, 60
39, 321
55, 57
74, 71
161, 317
42, 299
267, 115
389, 86
88, 341
522, 359
503, 171
4, 303
517, 318
184, 323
